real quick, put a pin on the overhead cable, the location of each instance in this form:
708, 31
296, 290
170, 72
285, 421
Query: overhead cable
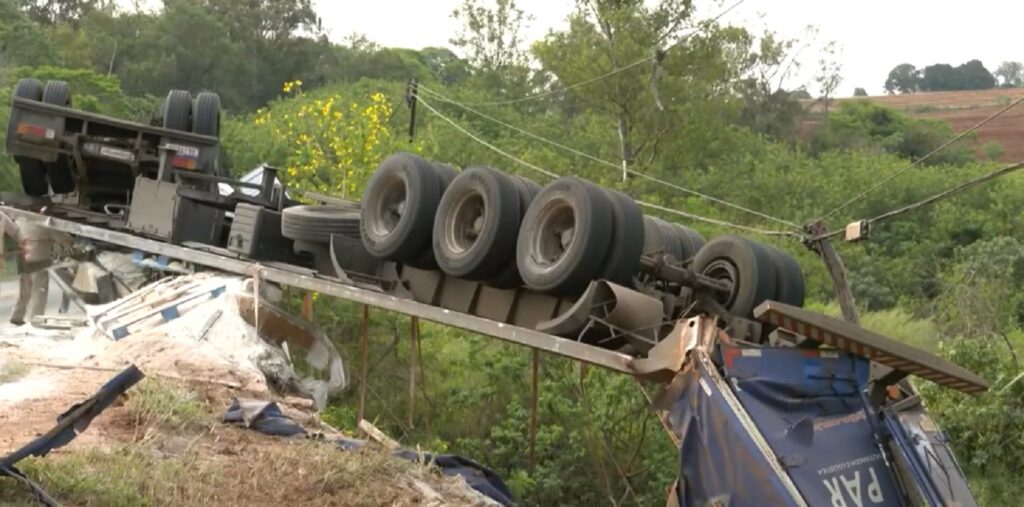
917, 162
937, 197
605, 162
551, 174
483, 142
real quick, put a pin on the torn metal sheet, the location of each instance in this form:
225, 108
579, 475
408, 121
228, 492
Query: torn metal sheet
669, 356
297, 335
623, 312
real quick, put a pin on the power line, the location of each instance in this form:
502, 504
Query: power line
917, 162
548, 93
485, 143
605, 162
550, 174
937, 197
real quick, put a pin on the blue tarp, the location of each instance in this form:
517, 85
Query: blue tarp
266, 417
719, 461
808, 406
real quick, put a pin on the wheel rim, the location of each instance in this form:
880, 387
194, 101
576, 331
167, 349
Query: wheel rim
555, 234
387, 207
465, 223
724, 271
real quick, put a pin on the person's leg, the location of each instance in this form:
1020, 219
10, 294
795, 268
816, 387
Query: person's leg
24, 293
40, 291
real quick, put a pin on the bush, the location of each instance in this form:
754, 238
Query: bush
987, 431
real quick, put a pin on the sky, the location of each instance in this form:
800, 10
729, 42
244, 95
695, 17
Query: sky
873, 36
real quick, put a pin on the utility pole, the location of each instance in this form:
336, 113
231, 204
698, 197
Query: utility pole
822, 245
411, 91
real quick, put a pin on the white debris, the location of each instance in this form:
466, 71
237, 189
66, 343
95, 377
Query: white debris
160, 329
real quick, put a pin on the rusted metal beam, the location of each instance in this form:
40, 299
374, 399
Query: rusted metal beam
371, 296
363, 339
534, 397
414, 338
861, 342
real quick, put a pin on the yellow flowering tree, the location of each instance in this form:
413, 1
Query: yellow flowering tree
327, 142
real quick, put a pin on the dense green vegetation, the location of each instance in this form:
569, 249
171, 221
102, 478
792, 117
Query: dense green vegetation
711, 117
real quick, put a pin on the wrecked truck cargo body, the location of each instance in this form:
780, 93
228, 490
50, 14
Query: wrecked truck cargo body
782, 425
764, 414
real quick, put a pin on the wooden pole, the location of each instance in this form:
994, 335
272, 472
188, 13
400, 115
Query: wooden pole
535, 396
414, 335
363, 338
307, 306
823, 245
423, 387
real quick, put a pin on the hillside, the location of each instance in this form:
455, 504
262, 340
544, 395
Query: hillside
961, 110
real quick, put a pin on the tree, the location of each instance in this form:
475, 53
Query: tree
993, 150
903, 78
22, 42
828, 76
1010, 74
61, 11
860, 92
974, 76
971, 75
864, 125
940, 77
492, 36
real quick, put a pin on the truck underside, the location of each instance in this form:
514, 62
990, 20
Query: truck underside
772, 404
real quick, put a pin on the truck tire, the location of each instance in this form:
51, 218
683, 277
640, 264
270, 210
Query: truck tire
789, 278
57, 93
527, 191
627, 243
447, 174
177, 111
398, 209
29, 88
665, 240
206, 114
563, 240
316, 224
527, 188
690, 241
743, 263
476, 224
59, 172
33, 174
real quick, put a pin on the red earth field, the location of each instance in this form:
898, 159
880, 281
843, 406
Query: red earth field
962, 110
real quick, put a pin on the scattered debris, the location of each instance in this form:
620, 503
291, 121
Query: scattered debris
69, 424
171, 325
377, 435
266, 417
59, 321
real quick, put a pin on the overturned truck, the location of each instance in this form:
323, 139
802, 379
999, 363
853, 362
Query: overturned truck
772, 404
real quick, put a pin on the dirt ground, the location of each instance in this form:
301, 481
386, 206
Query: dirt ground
163, 444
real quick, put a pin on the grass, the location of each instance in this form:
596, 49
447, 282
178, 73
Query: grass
293, 472
123, 476
168, 404
11, 371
